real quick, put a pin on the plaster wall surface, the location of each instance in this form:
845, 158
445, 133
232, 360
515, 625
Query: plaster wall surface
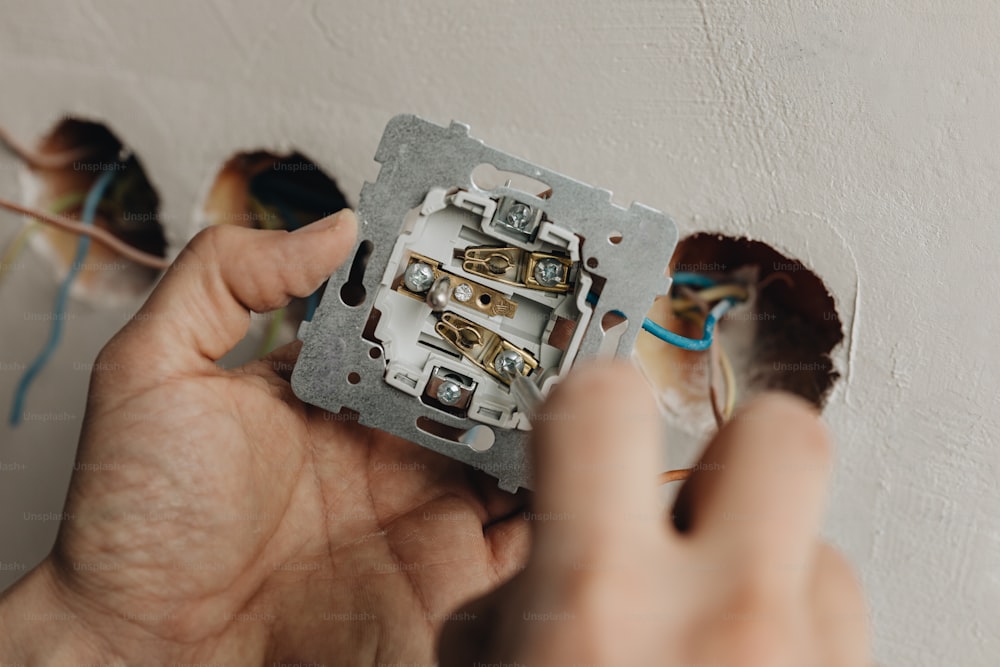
858, 137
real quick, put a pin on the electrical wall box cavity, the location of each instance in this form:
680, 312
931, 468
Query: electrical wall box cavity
476, 274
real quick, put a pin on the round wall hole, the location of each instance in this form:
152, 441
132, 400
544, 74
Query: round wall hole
374, 352
780, 338
592, 262
76, 154
354, 377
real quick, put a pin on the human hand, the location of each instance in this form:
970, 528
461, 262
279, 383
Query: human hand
216, 519
737, 579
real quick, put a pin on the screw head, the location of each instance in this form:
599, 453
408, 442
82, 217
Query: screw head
498, 263
418, 277
549, 272
462, 293
508, 362
519, 216
449, 392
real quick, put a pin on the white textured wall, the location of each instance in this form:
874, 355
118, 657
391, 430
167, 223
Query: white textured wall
858, 137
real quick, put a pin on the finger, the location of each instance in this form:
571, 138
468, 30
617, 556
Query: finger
282, 359
201, 308
597, 451
839, 611
759, 490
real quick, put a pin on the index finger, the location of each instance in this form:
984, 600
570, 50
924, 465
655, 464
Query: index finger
757, 495
597, 450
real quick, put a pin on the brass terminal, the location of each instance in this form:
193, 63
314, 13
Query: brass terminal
487, 349
514, 266
460, 290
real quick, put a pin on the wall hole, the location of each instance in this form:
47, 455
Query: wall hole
76, 153
592, 263
614, 238
264, 190
780, 339
353, 377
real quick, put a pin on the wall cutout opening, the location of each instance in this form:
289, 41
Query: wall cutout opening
779, 337
264, 190
77, 153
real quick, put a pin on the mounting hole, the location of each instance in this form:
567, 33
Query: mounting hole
374, 352
614, 238
611, 319
592, 262
354, 377
352, 292
487, 177
479, 438
484, 299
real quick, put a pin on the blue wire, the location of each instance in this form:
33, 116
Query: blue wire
684, 342
311, 302
693, 279
90, 204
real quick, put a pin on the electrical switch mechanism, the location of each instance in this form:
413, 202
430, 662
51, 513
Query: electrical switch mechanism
469, 297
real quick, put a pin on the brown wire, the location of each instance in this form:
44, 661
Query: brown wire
675, 475
780, 275
41, 160
99, 235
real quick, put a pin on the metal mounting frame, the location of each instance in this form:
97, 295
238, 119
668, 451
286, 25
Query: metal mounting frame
416, 156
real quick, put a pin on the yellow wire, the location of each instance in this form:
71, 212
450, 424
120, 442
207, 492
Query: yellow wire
704, 298
273, 329
20, 241
682, 304
710, 294
730, 380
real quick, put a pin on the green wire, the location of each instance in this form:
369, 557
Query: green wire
273, 329
20, 242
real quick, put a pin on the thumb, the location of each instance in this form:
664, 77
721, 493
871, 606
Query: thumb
201, 308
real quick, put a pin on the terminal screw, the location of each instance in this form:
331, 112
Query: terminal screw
549, 272
508, 363
449, 393
418, 277
519, 216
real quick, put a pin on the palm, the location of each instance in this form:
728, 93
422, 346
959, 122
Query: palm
222, 516
228, 503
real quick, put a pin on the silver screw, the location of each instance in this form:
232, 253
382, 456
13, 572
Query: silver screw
448, 392
418, 277
463, 293
549, 272
508, 363
437, 295
519, 215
